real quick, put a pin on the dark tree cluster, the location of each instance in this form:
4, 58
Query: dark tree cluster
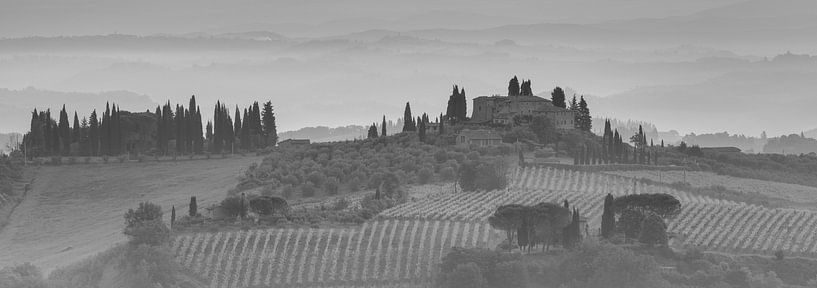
583, 120
94, 137
457, 106
515, 88
182, 125
542, 224
167, 130
558, 97
613, 150
485, 175
640, 216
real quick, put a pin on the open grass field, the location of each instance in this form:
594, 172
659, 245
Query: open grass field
72, 212
790, 192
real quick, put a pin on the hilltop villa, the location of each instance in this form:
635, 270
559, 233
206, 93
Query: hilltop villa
502, 109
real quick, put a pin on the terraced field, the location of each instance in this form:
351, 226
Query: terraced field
791, 192
402, 246
384, 252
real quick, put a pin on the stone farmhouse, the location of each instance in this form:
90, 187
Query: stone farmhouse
502, 109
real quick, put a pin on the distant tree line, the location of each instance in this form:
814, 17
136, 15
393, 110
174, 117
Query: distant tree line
177, 130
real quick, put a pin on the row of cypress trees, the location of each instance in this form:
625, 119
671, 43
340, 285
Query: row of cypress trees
91, 137
118, 132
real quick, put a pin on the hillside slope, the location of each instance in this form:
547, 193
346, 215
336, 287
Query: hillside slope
73, 212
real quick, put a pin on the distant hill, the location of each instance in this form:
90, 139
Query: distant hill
326, 134
791, 144
724, 139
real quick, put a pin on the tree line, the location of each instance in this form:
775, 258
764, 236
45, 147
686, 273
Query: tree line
169, 130
613, 149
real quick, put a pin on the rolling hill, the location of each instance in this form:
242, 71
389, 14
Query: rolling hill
73, 212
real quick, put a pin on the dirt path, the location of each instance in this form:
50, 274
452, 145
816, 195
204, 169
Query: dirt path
72, 212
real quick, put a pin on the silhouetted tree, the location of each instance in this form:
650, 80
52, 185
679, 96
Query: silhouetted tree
194, 207
408, 120
558, 97
585, 120
525, 89
383, 127
513, 87
270, 129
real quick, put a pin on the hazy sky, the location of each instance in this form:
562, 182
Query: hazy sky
82, 17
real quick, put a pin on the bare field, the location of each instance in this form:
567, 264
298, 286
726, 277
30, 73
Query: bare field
73, 212
790, 192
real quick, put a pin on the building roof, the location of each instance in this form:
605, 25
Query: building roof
514, 98
479, 134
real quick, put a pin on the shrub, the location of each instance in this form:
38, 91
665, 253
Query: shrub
56, 161
235, 206
266, 205
144, 225
653, 231
105, 158
194, 207
72, 160
483, 175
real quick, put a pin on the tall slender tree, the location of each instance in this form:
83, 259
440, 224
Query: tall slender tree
237, 124
585, 120
383, 127
76, 130
408, 120
270, 129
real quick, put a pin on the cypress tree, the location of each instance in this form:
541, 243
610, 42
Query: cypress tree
270, 129
210, 140
408, 120
383, 127
194, 207
585, 121
217, 129
106, 130
65, 132
197, 133
237, 124
513, 87
257, 132
462, 106
93, 134
608, 219
574, 106
453, 102
245, 131
525, 89
421, 130
75, 134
